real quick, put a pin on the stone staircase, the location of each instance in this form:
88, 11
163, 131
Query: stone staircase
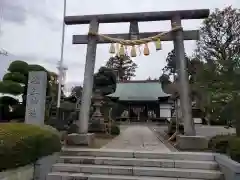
99, 164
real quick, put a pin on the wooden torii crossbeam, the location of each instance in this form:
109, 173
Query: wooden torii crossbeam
140, 16
137, 17
177, 37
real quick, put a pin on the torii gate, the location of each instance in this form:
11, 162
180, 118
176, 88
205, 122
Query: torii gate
178, 37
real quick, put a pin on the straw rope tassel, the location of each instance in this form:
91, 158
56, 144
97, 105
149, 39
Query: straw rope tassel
112, 49
146, 50
137, 42
158, 44
118, 49
121, 51
126, 50
133, 51
139, 49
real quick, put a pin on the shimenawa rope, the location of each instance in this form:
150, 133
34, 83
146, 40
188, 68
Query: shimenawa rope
135, 42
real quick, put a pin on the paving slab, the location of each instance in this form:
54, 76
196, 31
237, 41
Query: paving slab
139, 138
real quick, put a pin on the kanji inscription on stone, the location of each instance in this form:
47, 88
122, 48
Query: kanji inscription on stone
32, 112
34, 100
36, 97
33, 91
35, 80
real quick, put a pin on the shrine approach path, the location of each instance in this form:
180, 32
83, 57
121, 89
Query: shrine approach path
137, 138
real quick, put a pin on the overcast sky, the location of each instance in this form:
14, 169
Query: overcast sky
31, 30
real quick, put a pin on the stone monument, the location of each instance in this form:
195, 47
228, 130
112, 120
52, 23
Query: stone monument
36, 97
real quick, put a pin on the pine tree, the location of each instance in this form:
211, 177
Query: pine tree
123, 66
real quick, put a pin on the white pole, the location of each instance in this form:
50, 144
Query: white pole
61, 60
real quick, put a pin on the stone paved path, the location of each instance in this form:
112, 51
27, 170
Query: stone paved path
137, 137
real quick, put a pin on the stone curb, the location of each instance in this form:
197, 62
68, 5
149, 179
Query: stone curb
229, 167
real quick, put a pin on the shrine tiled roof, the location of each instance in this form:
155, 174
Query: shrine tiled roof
139, 91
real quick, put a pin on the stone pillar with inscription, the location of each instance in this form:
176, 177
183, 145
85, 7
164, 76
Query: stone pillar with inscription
36, 97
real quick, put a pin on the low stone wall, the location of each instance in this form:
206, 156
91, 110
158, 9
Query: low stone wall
21, 173
230, 168
37, 171
44, 165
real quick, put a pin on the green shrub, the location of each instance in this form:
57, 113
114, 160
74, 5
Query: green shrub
115, 130
226, 144
22, 144
52, 129
220, 143
234, 149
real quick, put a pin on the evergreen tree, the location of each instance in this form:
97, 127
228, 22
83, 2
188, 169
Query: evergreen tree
219, 48
15, 84
123, 66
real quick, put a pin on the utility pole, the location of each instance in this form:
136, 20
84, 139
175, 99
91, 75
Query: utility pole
61, 68
2, 51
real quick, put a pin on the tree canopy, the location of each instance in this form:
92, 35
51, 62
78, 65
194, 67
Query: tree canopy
105, 81
123, 66
15, 80
76, 91
75, 94
171, 66
15, 83
219, 40
219, 48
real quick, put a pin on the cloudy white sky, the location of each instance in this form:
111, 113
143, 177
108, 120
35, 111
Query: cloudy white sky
31, 30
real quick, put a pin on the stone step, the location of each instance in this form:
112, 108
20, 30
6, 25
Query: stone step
163, 163
138, 171
82, 176
193, 156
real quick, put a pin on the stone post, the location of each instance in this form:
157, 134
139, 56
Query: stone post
186, 108
36, 98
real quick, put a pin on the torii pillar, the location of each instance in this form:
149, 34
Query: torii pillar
82, 137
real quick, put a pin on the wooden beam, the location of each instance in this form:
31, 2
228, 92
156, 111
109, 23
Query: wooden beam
188, 35
141, 16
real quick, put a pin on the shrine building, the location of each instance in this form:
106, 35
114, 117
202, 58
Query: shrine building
143, 101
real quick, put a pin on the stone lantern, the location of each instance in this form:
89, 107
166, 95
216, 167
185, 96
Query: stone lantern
97, 119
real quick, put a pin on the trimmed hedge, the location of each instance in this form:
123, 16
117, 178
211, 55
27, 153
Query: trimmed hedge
234, 149
22, 144
226, 144
51, 129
